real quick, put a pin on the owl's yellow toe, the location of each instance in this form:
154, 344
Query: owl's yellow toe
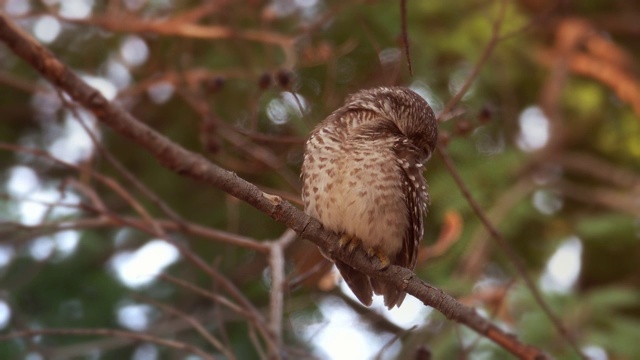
350, 243
382, 257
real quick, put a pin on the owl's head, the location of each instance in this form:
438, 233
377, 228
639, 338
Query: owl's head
410, 113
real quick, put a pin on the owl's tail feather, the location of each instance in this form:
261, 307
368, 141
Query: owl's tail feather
392, 295
357, 281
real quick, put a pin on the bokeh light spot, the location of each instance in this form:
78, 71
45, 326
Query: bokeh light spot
47, 29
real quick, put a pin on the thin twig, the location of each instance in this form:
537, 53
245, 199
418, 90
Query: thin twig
488, 50
276, 303
405, 35
114, 333
193, 322
200, 291
139, 185
395, 338
100, 208
476, 254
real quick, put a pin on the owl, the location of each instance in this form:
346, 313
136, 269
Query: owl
362, 177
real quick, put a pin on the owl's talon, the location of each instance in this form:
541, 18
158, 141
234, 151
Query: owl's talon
350, 243
353, 246
344, 241
382, 257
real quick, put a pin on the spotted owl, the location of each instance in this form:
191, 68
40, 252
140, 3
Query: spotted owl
362, 178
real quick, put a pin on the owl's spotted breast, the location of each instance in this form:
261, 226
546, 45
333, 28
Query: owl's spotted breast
354, 189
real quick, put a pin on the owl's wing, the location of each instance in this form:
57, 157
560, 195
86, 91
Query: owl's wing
415, 198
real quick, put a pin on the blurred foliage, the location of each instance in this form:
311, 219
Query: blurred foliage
229, 98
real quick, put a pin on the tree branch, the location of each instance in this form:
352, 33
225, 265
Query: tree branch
114, 333
195, 166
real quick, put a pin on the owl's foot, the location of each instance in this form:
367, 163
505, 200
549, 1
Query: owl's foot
382, 257
350, 243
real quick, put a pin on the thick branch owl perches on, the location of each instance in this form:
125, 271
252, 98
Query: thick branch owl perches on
362, 177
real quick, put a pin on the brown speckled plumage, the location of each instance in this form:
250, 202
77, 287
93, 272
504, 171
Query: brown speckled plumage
362, 176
